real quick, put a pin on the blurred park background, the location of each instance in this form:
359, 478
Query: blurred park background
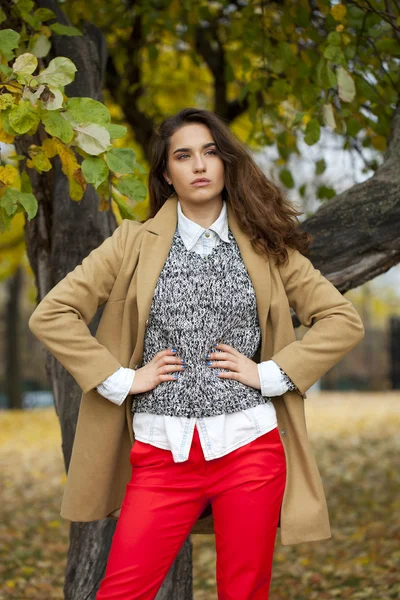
313, 89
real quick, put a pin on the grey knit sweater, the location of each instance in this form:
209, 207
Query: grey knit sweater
197, 302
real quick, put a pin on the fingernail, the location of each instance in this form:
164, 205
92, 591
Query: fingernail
173, 349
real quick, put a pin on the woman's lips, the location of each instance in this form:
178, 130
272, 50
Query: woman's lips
200, 183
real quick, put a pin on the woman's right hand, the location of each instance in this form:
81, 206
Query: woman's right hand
156, 371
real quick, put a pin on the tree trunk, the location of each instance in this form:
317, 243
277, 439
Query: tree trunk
60, 237
13, 383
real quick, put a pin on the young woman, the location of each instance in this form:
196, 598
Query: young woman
192, 413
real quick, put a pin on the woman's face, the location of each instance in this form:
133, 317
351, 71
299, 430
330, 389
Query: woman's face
192, 155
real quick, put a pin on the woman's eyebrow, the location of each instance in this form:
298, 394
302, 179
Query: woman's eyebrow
187, 149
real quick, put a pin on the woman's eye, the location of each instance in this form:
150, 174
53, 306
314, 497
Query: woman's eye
209, 152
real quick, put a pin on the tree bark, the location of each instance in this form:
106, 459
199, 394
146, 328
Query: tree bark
60, 237
13, 341
356, 234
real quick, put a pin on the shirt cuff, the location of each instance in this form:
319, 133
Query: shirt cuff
116, 387
273, 380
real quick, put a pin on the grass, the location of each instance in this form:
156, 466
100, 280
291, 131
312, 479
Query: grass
356, 441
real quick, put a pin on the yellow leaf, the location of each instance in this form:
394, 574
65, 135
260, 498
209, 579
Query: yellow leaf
27, 570
379, 142
15, 87
305, 58
339, 27
50, 147
339, 12
5, 137
54, 524
10, 583
6, 100
8, 175
39, 159
70, 166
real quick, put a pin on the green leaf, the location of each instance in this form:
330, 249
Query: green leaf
60, 29
298, 118
9, 39
39, 45
87, 110
326, 78
5, 220
302, 190
132, 187
346, 86
92, 138
353, 127
121, 160
26, 184
286, 177
140, 168
335, 54
116, 131
22, 117
125, 210
313, 132
12, 198
57, 126
334, 38
320, 166
25, 64
325, 192
6, 70
95, 170
44, 14
60, 71
5, 122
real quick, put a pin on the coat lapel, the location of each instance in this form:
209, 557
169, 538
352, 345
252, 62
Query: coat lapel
157, 240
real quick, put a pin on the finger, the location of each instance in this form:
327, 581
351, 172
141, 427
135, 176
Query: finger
227, 348
228, 375
224, 364
168, 368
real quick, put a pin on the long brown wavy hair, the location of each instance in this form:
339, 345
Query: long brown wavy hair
260, 207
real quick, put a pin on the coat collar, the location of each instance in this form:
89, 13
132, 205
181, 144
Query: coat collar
156, 243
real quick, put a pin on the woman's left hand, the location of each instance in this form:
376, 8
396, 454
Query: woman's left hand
240, 367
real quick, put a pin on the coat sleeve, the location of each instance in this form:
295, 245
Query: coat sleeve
60, 321
335, 325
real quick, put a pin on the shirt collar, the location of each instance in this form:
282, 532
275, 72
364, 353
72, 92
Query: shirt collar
190, 231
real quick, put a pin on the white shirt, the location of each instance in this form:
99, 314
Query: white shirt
218, 434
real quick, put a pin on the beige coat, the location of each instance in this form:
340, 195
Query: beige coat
122, 274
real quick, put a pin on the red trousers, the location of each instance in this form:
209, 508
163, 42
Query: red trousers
163, 501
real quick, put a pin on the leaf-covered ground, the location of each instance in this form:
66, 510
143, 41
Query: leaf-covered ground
356, 441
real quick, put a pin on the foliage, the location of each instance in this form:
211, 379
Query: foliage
32, 100
288, 68
357, 450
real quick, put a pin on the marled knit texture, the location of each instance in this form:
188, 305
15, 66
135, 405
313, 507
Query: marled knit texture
197, 302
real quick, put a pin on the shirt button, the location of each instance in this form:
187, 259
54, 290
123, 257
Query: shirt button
283, 431
207, 234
